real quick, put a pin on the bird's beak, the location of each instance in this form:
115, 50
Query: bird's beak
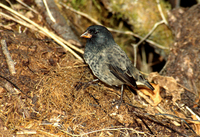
86, 35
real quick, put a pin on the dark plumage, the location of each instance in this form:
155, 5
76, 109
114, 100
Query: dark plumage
108, 61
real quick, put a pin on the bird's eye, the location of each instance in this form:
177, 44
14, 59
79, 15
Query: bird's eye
96, 32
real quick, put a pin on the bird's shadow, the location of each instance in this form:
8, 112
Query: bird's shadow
80, 84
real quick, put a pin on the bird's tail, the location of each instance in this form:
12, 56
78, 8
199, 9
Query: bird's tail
145, 82
132, 89
149, 85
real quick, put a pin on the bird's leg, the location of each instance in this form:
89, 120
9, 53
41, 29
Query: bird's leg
122, 90
119, 102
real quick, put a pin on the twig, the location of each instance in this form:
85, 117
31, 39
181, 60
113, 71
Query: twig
70, 45
135, 35
145, 67
10, 62
81, 13
10, 3
169, 115
150, 32
32, 27
111, 29
148, 117
186, 88
26, 132
47, 133
15, 86
25, 5
161, 12
146, 98
9, 88
20, 22
157, 107
48, 33
48, 11
106, 129
192, 113
143, 39
114, 129
135, 54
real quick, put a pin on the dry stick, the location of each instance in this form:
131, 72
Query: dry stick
144, 60
143, 39
182, 120
110, 29
115, 129
198, 118
185, 88
183, 107
48, 33
9, 60
81, 13
26, 132
59, 38
20, 22
47, 133
161, 12
70, 45
145, 97
135, 35
15, 86
157, 108
135, 54
48, 11
9, 88
10, 3
25, 5
105, 129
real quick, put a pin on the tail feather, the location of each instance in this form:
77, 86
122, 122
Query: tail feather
145, 82
149, 85
132, 89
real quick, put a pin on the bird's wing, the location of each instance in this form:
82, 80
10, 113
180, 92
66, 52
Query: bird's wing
119, 65
122, 75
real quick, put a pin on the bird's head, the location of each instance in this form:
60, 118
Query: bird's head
98, 33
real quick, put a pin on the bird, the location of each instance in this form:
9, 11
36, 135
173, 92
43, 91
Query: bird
108, 62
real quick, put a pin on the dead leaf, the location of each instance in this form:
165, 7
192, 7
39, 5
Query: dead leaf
155, 96
169, 84
196, 124
197, 102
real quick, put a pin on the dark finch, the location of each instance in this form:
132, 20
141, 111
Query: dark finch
108, 61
